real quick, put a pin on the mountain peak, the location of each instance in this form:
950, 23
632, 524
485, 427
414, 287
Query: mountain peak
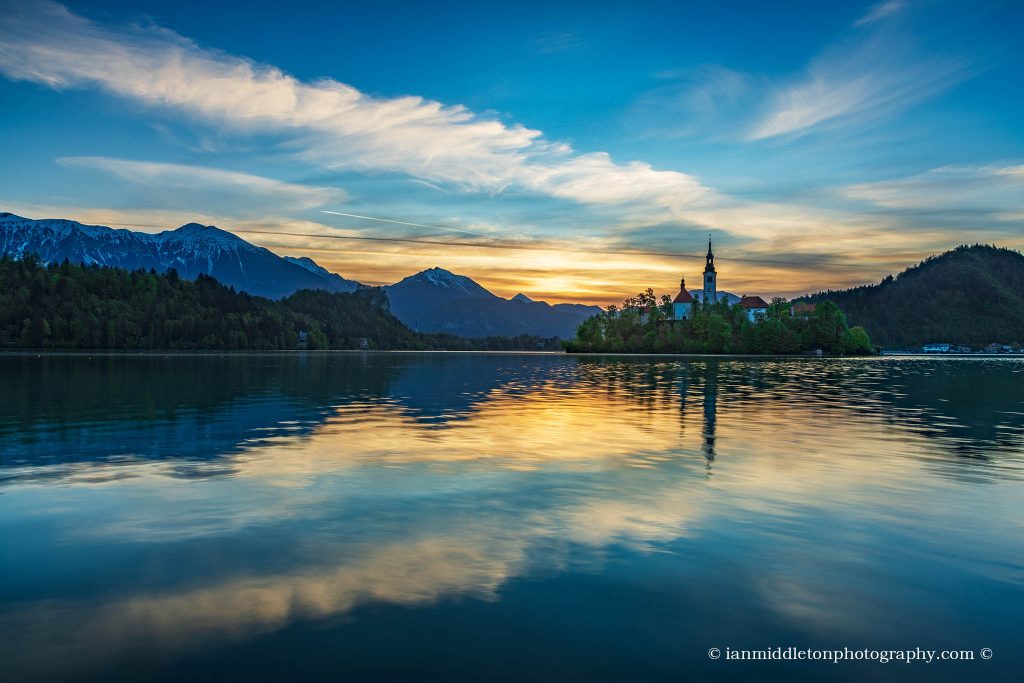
436, 272
431, 286
307, 263
522, 298
439, 277
205, 230
204, 234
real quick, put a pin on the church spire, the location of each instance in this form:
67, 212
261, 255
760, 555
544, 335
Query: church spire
710, 278
710, 266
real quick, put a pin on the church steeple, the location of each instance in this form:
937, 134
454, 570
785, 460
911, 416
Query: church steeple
710, 266
710, 277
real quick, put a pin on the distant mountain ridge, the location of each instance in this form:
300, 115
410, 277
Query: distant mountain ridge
437, 300
970, 295
434, 300
340, 283
192, 249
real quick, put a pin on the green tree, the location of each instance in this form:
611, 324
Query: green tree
719, 334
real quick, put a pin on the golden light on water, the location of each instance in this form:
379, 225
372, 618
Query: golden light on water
445, 488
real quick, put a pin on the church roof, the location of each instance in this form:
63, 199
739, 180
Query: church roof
753, 302
683, 297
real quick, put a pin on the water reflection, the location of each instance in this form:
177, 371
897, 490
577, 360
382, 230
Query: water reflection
710, 407
67, 409
209, 502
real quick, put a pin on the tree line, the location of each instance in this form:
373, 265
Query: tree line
972, 295
644, 324
74, 306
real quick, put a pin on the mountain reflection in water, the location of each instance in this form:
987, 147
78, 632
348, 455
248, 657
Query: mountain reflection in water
189, 517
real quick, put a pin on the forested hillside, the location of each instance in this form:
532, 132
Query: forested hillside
971, 295
71, 306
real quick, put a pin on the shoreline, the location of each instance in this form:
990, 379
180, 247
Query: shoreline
15, 353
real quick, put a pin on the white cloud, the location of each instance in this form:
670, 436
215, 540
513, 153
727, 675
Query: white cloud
706, 100
855, 81
879, 12
335, 125
200, 178
997, 190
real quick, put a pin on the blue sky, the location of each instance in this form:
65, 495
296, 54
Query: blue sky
822, 144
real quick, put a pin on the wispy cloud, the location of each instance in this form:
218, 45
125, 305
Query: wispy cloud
332, 124
996, 190
553, 196
878, 12
866, 74
693, 101
853, 83
251, 188
559, 42
860, 86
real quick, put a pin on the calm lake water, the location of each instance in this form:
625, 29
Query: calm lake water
506, 517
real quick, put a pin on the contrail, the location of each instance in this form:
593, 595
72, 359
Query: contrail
415, 225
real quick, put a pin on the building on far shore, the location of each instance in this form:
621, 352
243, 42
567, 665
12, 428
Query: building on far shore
802, 310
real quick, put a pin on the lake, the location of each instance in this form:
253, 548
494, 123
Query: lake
520, 517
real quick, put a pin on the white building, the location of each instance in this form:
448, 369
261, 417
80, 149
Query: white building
682, 305
756, 308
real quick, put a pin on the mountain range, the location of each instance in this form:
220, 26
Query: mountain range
434, 300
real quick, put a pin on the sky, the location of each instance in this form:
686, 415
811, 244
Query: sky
570, 151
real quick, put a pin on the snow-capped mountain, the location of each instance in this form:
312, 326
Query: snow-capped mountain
439, 282
340, 283
191, 249
437, 300
434, 300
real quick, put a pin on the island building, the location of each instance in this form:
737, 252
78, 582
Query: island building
682, 305
710, 277
755, 306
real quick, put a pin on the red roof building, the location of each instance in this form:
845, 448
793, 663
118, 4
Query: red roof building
801, 310
683, 297
749, 302
682, 305
755, 306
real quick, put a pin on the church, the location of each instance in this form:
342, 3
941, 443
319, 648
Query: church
755, 307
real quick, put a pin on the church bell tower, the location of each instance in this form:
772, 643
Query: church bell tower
710, 277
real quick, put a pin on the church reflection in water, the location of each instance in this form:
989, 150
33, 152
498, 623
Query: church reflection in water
306, 488
710, 409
